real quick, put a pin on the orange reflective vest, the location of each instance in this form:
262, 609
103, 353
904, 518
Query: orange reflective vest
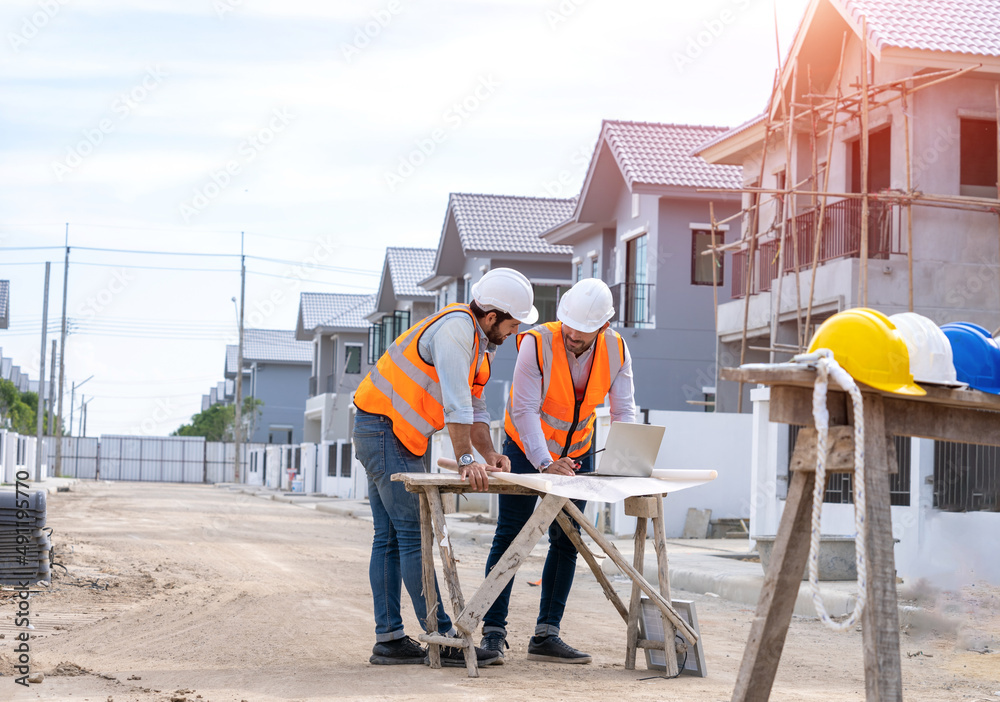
568, 422
406, 389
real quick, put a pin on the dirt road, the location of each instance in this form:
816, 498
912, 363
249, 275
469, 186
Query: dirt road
201, 593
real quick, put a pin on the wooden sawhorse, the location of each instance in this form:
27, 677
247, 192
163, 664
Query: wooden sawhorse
944, 414
469, 614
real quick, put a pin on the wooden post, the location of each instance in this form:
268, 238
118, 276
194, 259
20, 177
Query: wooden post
863, 278
663, 575
880, 620
430, 590
634, 605
777, 597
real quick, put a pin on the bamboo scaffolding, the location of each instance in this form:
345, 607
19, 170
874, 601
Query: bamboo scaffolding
863, 278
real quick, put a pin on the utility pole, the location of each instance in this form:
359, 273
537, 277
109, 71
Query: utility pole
238, 423
52, 385
62, 360
40, 443
72, 403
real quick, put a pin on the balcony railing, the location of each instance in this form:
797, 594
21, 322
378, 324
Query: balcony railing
312, 386
841, 239
331, 383
632, 304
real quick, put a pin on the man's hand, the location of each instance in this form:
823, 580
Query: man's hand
475, 473
498, 463
564, 466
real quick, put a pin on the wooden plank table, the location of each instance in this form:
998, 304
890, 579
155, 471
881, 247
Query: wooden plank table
469, 614
944, 414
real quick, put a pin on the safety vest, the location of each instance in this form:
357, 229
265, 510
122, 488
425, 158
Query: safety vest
568, 422
406, 389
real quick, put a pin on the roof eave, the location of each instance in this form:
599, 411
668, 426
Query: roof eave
729, 151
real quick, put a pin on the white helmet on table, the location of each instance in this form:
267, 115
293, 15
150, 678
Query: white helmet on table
587, 305
931, 358
506, 290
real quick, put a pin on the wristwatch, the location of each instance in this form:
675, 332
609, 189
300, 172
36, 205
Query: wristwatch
466, 459
545, 464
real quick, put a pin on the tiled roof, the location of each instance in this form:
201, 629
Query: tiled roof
725, 134
661, 154
275, 345
4, 304
955, 26
336, 310
508, 224
407, 267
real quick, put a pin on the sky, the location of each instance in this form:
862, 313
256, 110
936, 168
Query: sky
157, 137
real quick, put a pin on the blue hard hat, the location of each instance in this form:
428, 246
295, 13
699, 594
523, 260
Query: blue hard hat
976, 354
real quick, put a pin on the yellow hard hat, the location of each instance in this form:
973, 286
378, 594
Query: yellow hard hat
866, 344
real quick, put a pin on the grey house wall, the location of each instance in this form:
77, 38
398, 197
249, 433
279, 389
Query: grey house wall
284, 389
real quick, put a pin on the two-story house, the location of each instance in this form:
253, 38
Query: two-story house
400, 301
642, 225
932, 74
902, 125
482, 232
337, 326
276, 370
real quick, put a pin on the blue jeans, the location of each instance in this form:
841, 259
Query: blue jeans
560, 563
396, 512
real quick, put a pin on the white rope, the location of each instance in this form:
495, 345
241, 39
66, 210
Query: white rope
826, 365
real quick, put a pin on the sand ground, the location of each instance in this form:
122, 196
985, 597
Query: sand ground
179, 592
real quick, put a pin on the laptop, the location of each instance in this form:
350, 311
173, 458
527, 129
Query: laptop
630, 450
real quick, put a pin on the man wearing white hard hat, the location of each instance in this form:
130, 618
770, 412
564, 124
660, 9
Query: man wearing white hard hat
564, 371
430, 378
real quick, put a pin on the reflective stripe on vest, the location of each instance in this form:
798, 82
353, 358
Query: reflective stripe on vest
569, 428
406, 389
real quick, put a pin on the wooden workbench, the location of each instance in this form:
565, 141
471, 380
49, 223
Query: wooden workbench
944, 414
468, 615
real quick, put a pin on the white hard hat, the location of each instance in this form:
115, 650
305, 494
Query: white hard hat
506, 290
586, 306
930, 351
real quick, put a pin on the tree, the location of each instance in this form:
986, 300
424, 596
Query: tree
216, 423
18, 410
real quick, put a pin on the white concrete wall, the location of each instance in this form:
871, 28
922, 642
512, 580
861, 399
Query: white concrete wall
950, 549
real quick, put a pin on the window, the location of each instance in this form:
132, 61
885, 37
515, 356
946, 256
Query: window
978, 158
331, 461
879, 154
345, 459
352, 359
547, 301
636, 286
468, 289
701, 266
384, 332
595, 267
577, 270
966, 477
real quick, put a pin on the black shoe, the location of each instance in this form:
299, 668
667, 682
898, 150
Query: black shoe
454, 657
404, 651
554, 650
495, 641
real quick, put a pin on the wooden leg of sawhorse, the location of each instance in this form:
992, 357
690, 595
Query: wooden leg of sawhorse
880, 620
778, 595
647, 509
430, 589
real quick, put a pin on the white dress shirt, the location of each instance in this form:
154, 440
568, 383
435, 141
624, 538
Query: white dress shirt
527, 398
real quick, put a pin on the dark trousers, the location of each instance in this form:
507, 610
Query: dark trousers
560, 564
